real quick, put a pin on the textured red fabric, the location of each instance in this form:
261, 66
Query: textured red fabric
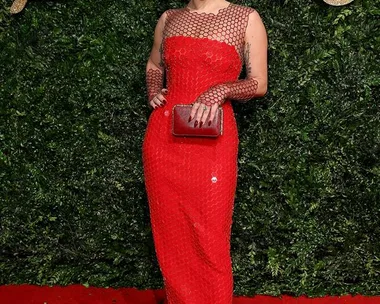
191, 182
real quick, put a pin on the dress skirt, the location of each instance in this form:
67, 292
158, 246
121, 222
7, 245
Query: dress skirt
190, 184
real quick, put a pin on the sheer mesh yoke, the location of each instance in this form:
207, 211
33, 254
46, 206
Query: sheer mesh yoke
227, 26
191, 182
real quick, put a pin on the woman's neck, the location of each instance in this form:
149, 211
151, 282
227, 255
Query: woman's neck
206, 5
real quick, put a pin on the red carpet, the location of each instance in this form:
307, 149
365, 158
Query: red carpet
79, 294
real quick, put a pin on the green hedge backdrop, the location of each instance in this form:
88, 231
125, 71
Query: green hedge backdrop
73, 116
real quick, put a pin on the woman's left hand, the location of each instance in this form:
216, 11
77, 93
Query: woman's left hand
201, 112
207, 104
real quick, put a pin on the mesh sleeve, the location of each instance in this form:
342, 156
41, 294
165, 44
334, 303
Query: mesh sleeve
154, 82
155, 73
241, 90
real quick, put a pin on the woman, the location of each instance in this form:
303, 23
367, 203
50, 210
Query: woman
191, 182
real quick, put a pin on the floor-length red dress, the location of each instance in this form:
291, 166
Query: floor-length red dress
191, 182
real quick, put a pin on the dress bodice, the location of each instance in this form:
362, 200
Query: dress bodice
203, 49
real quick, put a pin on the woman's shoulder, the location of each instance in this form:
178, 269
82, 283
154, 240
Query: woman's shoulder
248, 12
243, 8
172, 11
168, 13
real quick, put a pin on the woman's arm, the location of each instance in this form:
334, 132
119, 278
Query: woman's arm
255, 83
255, 60
155, 67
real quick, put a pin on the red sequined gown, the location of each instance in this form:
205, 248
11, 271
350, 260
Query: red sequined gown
191, 182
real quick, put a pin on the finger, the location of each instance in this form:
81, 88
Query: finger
194, 110
153, 104
156, 102
214, 108
164, 91
160, 100
198, 115
204, 116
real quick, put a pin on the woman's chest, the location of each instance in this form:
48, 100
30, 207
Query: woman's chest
203, 41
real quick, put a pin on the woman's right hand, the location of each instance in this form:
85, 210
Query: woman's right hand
158, 100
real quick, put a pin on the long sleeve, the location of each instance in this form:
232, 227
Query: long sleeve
241, 90
154, 82
155, 68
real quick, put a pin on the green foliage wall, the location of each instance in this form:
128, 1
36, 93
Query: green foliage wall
73, 110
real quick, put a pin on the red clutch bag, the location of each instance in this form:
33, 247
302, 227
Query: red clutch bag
182, 127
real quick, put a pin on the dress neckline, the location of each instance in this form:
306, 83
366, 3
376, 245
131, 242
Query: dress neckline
205, 13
